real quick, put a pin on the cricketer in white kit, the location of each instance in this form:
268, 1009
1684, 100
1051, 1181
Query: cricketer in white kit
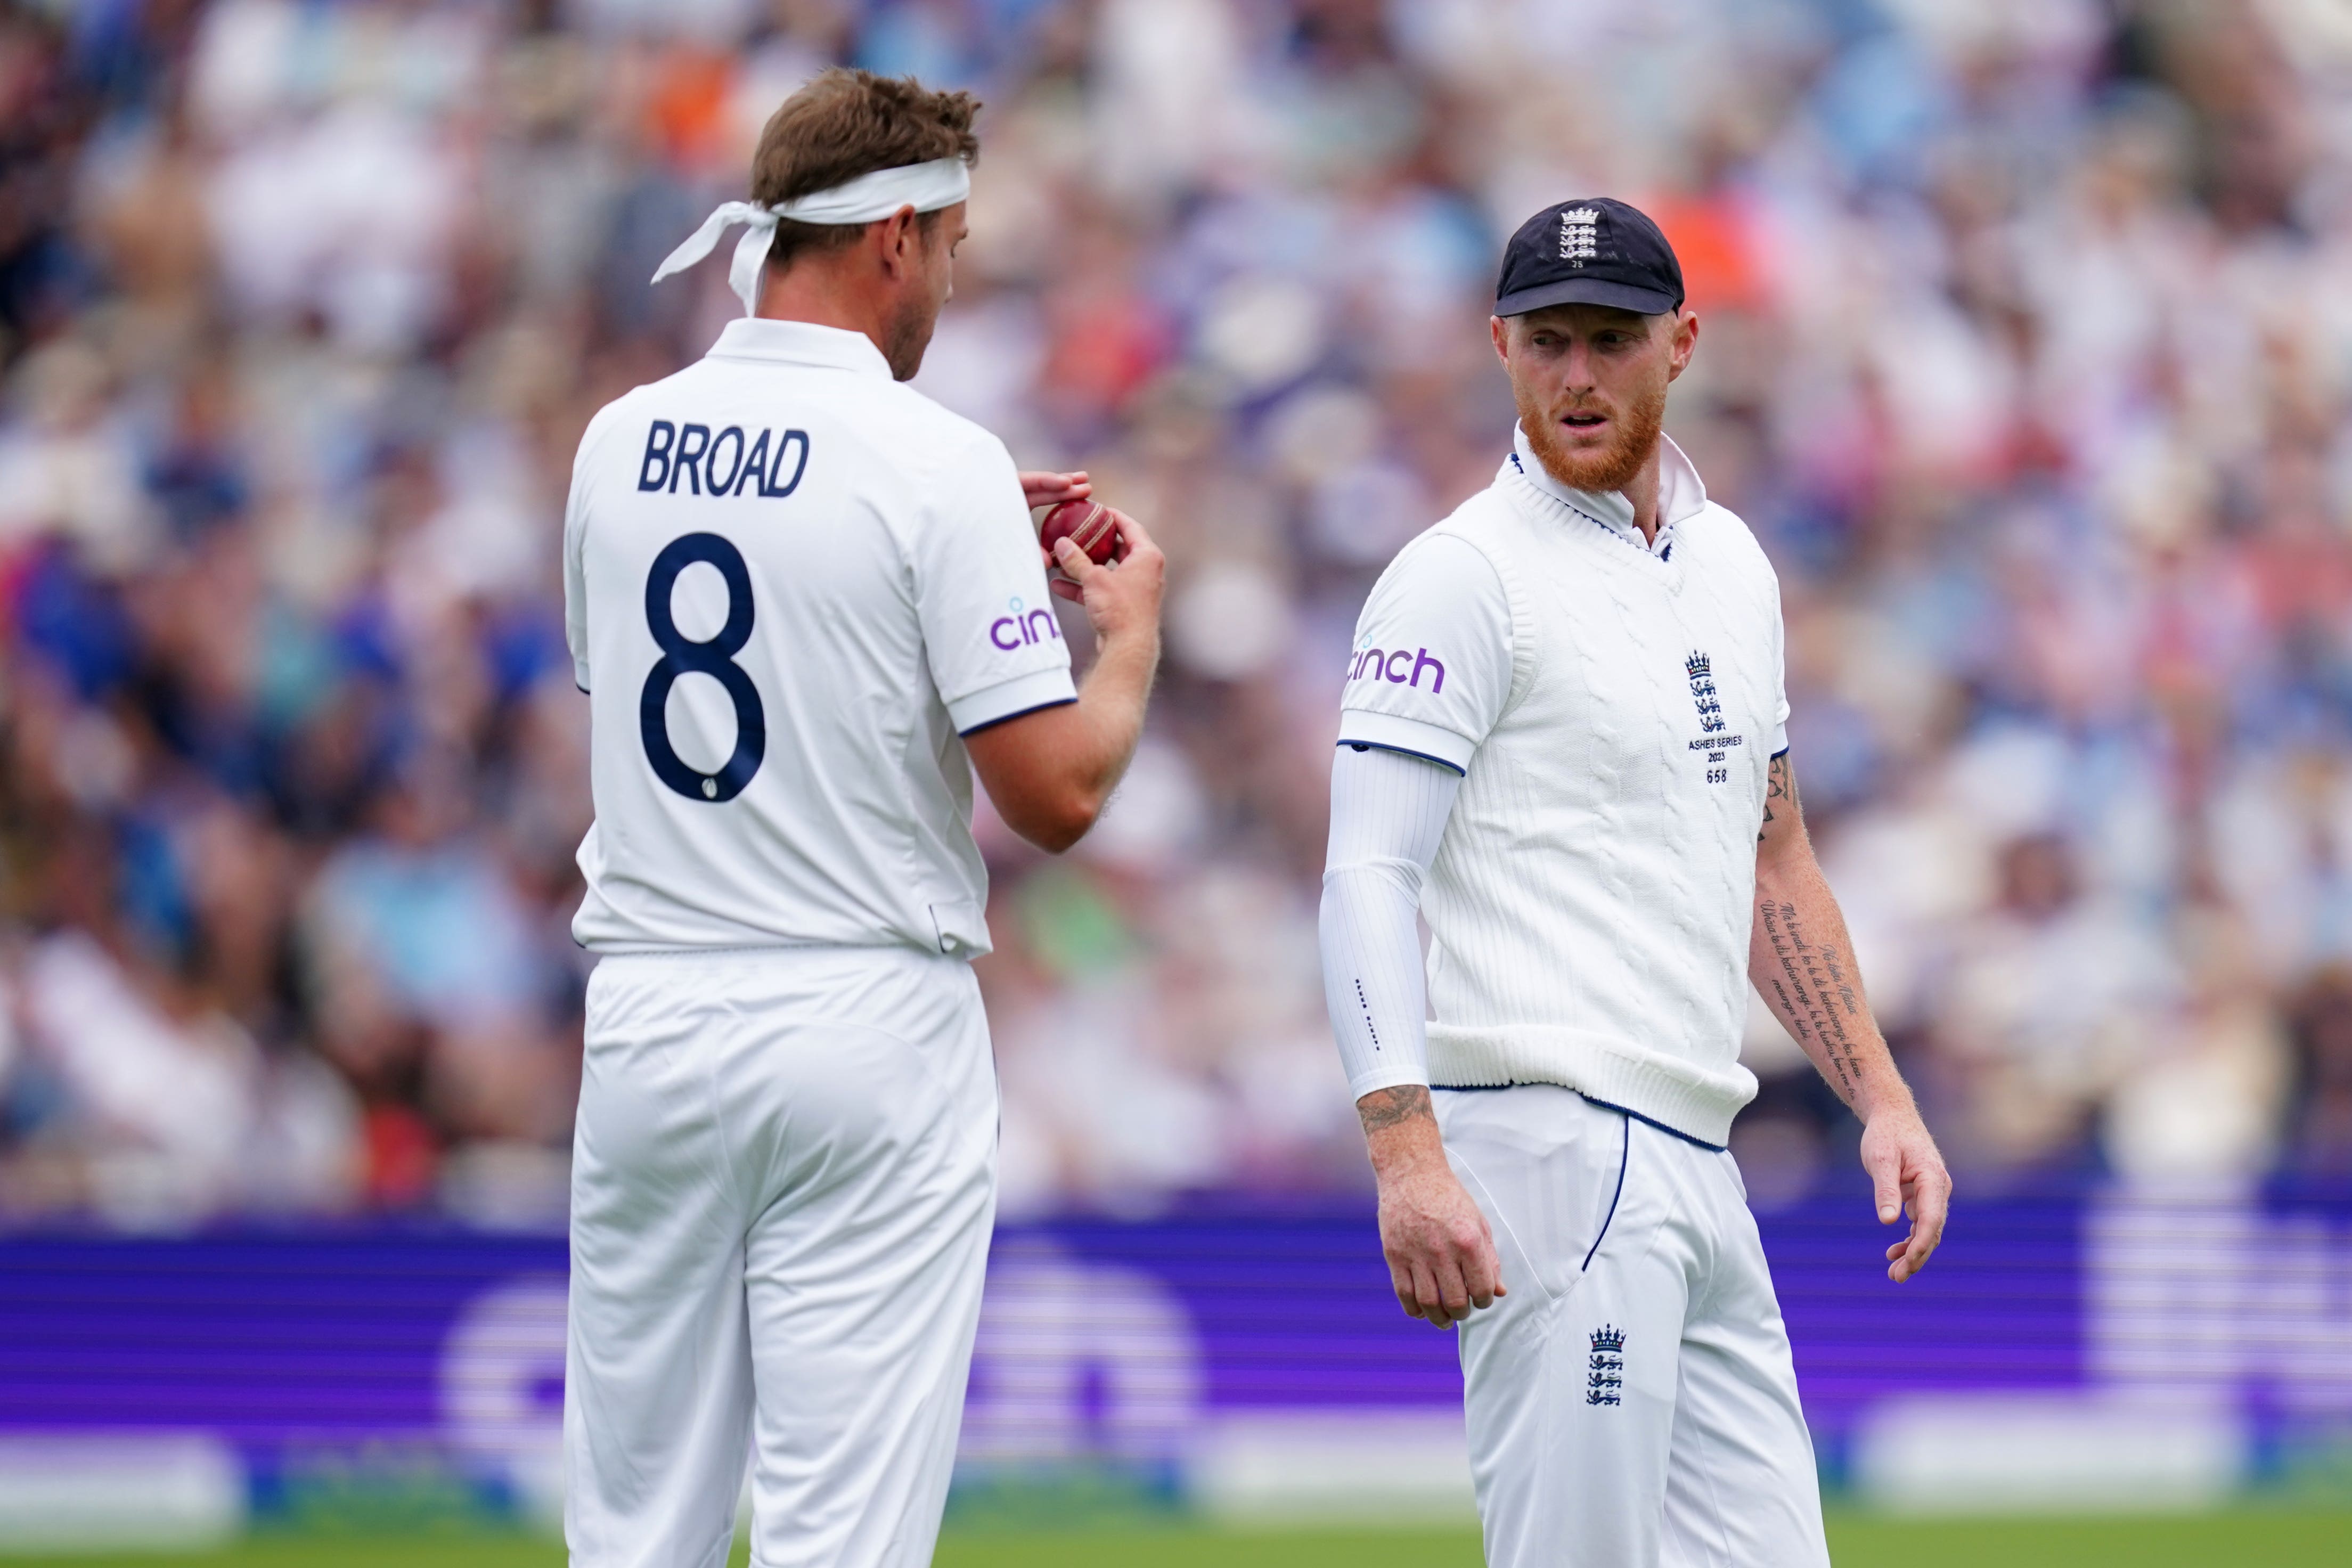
1563, 742
807, 603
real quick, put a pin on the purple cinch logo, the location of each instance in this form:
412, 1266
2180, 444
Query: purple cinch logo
1020, 630
1383, 666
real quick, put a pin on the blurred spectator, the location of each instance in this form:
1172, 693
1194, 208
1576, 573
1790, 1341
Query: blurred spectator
2320, 1134
2026, 331
2053, 1001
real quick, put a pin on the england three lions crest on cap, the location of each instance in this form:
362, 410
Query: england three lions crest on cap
1580, 235
1589, 250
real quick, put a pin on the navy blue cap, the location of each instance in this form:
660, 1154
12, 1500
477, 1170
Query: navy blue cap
1594, 251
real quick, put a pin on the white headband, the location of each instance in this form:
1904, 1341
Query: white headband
926, 187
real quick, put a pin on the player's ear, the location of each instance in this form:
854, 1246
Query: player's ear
1685, 342
901, 232
1500, 331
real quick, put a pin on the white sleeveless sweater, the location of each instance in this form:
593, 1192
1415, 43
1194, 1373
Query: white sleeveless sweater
1591, 898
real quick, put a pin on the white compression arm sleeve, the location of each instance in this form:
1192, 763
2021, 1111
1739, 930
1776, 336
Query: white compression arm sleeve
1388, 813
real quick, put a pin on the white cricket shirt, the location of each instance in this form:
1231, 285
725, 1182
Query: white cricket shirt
1612, 704
791, 585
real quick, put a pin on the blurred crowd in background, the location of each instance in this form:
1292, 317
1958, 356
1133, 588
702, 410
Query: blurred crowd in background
2026, 350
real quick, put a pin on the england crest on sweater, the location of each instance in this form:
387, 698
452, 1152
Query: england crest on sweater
1715, 738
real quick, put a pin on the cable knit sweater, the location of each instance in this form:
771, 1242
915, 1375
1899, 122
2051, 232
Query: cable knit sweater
1613, 705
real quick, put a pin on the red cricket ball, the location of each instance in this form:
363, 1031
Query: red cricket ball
1087, 524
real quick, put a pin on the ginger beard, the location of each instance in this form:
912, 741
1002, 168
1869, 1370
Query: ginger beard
1634, 431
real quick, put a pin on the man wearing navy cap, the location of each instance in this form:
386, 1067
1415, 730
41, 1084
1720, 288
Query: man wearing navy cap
1563, 742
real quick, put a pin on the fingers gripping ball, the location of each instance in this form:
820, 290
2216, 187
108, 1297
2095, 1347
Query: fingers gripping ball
1085, 523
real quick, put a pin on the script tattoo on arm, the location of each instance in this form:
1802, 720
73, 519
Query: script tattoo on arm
1802, 959
1814, 991
1388, 1107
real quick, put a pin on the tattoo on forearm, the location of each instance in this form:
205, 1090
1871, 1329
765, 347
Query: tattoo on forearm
1388, 1107
1814, 986
1816, 993
1780, 785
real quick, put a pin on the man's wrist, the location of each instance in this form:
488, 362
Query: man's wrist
1136, 639
1125, 660
1400, 1129
1885, 1094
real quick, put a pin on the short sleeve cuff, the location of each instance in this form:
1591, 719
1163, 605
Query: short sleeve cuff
1009, 699
1780, 739
580, 673
1413, 737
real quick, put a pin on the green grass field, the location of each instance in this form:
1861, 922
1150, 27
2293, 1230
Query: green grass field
2239, 1539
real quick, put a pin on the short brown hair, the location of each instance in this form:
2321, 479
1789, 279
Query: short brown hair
846, 123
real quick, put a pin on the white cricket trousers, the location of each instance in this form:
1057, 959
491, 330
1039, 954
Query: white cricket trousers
783, 1179
1631, 1403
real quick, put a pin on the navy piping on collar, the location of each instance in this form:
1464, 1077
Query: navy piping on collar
1665, 555
1604, 1104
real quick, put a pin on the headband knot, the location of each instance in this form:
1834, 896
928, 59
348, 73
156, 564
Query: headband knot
926, 187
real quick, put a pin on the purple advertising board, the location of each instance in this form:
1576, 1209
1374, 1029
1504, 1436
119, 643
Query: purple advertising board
1125, 1341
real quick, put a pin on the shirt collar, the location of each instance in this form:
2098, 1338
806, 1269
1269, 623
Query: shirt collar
1681, 493
799, 342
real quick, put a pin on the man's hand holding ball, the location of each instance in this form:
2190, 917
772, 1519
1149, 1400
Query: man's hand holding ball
1084, 541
